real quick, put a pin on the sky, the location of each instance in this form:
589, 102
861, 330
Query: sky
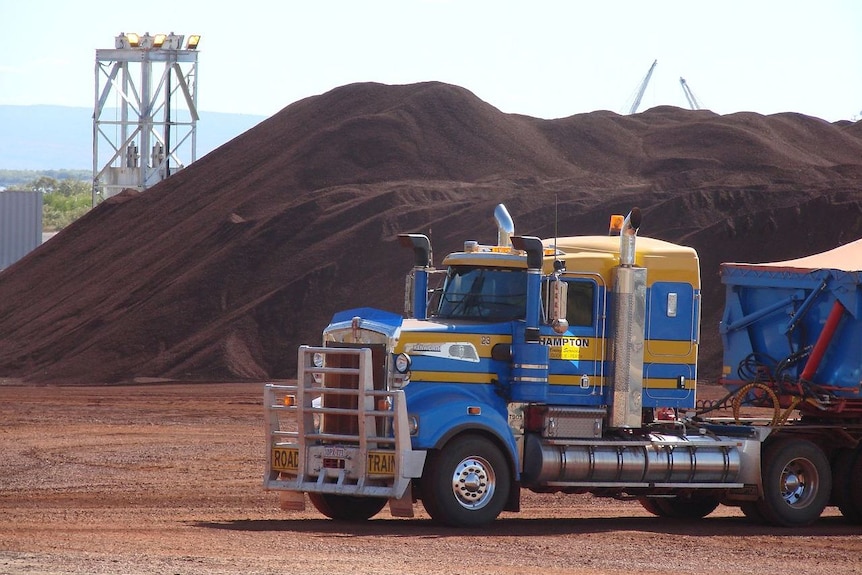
547, 59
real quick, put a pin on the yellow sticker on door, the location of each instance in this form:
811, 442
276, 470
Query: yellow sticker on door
568, 348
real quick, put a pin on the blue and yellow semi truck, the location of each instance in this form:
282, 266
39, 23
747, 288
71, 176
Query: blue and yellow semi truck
570, 365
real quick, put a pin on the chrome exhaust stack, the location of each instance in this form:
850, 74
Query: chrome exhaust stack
505, 225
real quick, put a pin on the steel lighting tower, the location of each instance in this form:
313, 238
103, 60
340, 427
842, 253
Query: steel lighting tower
146, 113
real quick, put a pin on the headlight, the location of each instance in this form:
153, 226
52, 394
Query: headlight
316, 418
402, 363
317, 360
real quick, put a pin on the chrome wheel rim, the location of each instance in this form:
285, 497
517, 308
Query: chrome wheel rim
473, 482
799, 481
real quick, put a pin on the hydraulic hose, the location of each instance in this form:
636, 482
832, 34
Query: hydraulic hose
823, 341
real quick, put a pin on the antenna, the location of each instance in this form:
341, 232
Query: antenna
556, 223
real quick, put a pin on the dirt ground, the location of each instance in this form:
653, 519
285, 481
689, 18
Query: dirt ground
167, 478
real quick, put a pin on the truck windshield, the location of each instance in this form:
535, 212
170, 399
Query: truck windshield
492, 294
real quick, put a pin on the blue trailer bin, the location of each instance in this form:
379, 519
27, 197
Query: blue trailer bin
796, 326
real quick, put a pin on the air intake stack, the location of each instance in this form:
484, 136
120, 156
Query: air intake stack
628, 330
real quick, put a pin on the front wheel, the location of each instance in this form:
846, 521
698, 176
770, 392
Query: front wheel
466, 484
797, 482
346, 507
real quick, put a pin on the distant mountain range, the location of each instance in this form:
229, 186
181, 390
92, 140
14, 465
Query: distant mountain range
61, 137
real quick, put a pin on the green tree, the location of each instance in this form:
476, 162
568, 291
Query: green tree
63, 201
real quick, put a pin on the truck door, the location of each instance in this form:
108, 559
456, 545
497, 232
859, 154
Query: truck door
576, 356
670, 358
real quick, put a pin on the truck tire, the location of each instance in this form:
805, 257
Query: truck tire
844, 486
346, 507
651, 505
797, 482
751, 510
693, 506
466, 484
855, 482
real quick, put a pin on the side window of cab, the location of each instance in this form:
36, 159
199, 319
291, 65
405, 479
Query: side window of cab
580, 303
580, 297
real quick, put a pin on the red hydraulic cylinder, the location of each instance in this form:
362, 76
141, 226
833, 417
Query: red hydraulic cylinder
823, 341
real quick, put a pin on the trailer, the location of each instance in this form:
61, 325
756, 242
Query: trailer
570, 365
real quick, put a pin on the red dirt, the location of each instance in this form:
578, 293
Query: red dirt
220, 271
140, 479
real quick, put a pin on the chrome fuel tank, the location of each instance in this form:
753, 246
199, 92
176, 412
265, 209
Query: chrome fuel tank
661, 460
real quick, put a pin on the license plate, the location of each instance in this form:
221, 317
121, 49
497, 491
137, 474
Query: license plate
335, 452
381, 463
285, 458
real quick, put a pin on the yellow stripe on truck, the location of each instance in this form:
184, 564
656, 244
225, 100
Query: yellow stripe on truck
595, 381
452, 377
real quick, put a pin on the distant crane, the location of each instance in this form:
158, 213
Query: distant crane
689, 95
642, 89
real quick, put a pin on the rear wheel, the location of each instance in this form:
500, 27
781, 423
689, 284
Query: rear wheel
855, 489
651, 505
347, 507
466, 484
751, 510
797, 482
856, 483
693, 506
847, 483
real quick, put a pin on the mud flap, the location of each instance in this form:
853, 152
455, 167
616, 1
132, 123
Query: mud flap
403, 506
291, 500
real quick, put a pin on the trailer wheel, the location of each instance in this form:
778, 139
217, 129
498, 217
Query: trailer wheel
797, 482
844, 486
466, 484
347, 507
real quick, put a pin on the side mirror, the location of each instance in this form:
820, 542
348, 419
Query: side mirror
559, 297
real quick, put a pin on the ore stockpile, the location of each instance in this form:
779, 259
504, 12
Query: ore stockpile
222, 270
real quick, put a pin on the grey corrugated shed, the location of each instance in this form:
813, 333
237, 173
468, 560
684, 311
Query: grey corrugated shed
20, 225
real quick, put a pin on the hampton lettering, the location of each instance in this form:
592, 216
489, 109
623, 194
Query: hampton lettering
566, 341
